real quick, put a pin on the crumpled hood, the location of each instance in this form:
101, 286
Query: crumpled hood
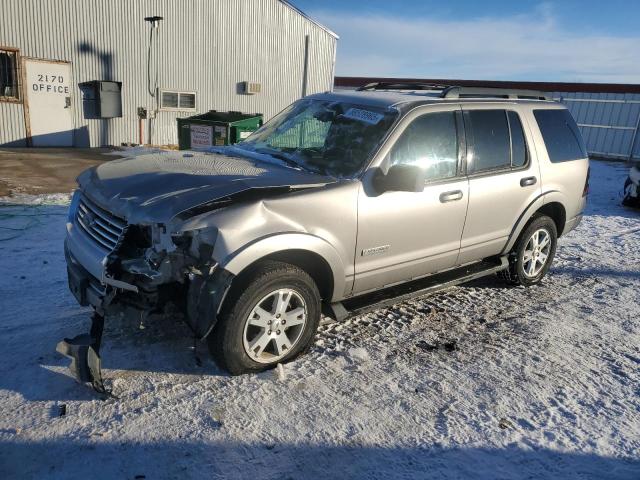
155, 187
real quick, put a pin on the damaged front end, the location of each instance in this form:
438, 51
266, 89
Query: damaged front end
149, 270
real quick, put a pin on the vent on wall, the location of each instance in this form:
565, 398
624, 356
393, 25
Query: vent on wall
251, 88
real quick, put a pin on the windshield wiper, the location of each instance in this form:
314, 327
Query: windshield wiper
281, 156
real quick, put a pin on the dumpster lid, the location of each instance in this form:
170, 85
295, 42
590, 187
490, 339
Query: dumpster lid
227, 117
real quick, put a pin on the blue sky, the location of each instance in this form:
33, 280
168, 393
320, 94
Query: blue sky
570, 40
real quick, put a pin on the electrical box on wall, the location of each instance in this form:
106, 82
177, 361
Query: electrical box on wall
251, 88
101, 99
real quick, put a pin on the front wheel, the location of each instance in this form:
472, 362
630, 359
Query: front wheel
270, 318
533, 253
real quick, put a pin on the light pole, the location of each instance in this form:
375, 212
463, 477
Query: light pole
142, 112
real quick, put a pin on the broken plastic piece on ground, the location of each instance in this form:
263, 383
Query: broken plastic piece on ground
83, 350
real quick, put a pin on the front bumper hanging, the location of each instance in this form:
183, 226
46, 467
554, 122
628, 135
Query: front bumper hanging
84, 352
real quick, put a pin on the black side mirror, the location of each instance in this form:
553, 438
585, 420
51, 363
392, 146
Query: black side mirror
402, 178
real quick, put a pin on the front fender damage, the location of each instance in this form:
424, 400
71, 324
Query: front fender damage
174, 275
205, 297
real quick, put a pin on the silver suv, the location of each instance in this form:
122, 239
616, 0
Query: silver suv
343, 202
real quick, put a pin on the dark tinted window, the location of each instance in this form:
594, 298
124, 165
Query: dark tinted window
518, 143
430, 142
561, 135
488, 136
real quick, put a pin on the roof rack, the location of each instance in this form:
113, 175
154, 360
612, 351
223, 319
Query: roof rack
401, 86
455, 91
458, 91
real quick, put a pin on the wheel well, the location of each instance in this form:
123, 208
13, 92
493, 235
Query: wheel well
312, 263
556, 211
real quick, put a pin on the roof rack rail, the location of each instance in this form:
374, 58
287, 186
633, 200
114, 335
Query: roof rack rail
401, 86
455, 91
458, 91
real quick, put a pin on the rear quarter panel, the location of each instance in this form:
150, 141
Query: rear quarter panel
562, 182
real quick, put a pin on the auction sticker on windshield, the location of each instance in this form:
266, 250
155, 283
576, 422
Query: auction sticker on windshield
363, 115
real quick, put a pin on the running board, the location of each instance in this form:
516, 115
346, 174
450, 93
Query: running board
416, 288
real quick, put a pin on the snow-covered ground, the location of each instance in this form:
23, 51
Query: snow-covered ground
481, 381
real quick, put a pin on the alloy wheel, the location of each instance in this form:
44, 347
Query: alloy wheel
536, 252
274, 326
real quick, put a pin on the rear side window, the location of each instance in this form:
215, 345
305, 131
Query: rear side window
561, 135
430, 142
496, 140
488, 136
518, 143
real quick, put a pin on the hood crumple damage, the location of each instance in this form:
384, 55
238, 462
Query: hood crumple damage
157, 187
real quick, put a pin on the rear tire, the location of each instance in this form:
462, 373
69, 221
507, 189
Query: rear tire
533, 253
270, 317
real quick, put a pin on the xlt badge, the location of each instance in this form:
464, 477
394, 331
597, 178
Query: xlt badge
375, 250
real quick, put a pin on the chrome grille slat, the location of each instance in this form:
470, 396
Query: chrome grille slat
102, 242
107, 228
100, 225
106, 216
113, 238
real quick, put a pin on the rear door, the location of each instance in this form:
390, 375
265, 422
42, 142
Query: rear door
404, 235
503, 178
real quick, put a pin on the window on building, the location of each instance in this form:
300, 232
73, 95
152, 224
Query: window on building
488, 135
430, 142
9, 85
561, 135
172, 100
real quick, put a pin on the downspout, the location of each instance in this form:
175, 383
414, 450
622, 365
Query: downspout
305, 72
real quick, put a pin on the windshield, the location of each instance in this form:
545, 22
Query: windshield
323, 136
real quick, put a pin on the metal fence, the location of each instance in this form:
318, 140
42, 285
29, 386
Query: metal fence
609, 122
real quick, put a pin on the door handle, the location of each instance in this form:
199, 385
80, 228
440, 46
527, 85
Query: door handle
451, 196
528, 181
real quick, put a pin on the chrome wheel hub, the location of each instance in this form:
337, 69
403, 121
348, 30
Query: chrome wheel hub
536, 252
274, 326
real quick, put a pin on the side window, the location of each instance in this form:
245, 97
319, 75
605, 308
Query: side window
561, 135
488, 137
430, 142
518, 143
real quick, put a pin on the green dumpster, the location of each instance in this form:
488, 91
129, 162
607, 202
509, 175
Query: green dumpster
216, 128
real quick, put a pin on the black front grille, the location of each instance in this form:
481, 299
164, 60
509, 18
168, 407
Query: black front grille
102, 226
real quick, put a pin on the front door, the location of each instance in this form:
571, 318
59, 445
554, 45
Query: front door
48, 102
404, 235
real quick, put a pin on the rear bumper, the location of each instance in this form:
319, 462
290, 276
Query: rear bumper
572, 223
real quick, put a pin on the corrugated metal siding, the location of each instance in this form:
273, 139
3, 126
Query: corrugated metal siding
12, 130
205, 46
608, 121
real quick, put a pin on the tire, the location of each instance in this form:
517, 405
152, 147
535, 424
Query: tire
525, 253
252, 332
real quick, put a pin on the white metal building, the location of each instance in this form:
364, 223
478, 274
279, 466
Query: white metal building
198, 59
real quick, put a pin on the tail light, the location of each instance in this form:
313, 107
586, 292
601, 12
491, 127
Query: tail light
585, 192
